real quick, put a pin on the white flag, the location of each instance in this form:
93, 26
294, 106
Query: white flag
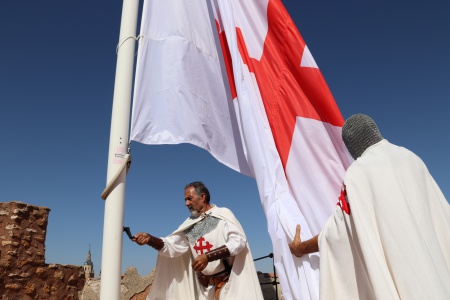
236, 78
180, 95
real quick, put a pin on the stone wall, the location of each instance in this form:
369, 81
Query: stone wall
132, 286
23, 271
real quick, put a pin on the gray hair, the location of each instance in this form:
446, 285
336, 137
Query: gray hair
200, 189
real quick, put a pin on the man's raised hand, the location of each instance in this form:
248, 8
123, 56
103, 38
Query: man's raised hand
296, 246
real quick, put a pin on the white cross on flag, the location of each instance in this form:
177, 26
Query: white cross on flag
236, 78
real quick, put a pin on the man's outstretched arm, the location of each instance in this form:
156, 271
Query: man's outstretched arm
143, 238
299, 248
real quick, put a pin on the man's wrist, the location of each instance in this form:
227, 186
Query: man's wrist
218, 253
310, 245
155, 242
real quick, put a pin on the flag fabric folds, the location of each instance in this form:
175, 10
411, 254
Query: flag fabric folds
180, 95
236, 78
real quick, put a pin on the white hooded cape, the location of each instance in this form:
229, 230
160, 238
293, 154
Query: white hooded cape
395, 244
176, 279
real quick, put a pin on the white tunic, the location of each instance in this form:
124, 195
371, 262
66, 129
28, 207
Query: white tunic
176, 279
395, 242
226, 233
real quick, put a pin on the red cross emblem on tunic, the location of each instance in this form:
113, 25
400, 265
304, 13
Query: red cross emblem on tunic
200, 246
343, 203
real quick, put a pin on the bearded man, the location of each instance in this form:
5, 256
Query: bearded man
207, 257
389, 237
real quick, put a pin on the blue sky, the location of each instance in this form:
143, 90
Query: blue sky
57, 66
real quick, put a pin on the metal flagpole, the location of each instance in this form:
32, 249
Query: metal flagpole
114, 205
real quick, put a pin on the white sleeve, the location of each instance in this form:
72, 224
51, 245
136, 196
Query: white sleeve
174, 245
235, 238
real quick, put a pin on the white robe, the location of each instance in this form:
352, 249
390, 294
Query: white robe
395, 244
175, 278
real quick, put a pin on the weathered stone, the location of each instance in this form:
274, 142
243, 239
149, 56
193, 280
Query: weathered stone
72, 280
133, 286
33, 296
5, 263
42, 222
91, 292
59, 274
22, 262
24, 209
39, 238
39, 262
142, 295
13, 286
133, 283
42, 273
30, 288
46, 288
24, 274
12, 253
12, 226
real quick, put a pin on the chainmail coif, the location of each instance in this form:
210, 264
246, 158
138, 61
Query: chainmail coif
359, 133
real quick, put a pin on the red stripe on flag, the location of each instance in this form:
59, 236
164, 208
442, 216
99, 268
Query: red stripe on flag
227, 59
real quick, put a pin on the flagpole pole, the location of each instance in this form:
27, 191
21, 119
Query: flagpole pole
114, 205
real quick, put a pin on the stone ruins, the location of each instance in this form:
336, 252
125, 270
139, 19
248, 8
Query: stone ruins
23, 272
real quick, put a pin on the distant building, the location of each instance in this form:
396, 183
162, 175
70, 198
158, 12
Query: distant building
88, 266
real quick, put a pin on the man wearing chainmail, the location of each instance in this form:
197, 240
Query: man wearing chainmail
389, 237
207, 257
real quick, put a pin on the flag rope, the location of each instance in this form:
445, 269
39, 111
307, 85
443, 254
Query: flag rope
125, 39
111, 184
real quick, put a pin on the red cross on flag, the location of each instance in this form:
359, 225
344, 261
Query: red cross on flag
236, 78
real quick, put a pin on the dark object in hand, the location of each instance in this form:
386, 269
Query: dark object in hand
127, 230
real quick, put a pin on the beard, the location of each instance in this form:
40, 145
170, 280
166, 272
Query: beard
194, 213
